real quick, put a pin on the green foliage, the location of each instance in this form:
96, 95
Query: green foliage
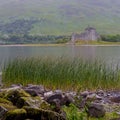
20, 114
26, 39
73, 113
111, 38
2, 100
63, 40
17, 27
62, 73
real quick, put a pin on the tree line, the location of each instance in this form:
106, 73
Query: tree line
26, 39
111, 38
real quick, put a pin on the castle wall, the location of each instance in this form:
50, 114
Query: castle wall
89, 34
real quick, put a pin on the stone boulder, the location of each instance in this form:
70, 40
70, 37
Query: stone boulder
84, 94
93, 97
40, 114
95, 110
3, 111
14, 94
29, 101
54, 96
16, 85
115, 99
35, 90
34, 114
17, 114
32, 92
6, 104
59, 98
67, 99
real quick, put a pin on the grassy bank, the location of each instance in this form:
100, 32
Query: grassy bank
62, 73
82, 42
78, 43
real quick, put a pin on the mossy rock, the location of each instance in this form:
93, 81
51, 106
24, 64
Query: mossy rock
17, 114
14, 95
2, 94
44, 105
35, 113
112, 116
2, 100
33, 102
7, 104
29, 101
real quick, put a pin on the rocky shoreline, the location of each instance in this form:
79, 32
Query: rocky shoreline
34, 102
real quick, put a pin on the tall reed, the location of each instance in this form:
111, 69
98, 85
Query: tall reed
62, 73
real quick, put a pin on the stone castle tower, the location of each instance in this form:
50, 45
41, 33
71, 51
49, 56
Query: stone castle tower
90, 33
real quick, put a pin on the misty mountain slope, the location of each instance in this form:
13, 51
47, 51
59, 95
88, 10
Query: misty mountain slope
63, 16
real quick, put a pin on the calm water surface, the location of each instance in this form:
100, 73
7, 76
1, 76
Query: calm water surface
106, 53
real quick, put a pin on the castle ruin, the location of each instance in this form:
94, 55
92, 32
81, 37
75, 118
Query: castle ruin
90, 34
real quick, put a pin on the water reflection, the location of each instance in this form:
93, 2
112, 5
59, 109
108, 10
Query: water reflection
108, 54
85, 52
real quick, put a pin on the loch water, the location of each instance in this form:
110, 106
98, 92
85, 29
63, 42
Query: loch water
109, 54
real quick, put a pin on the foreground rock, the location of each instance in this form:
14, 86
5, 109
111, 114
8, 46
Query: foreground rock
95, 110
116, 99
35, 102
3, 111
33, 113
17, 114
26, 106
35, 90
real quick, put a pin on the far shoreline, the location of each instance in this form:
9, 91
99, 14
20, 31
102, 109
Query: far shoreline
32, 45
53, 45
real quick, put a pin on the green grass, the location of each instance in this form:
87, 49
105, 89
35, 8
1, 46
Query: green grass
58, 17
82, 42
67, 74
73, 113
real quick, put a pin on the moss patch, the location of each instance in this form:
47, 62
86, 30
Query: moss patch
14, 95
2, 100
17, 114
35, 113
6, 104
44, 105
29, 101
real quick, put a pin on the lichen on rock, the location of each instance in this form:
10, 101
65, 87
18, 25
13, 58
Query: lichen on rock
29, 101
17, 114
6, 104
14, 94
34, 113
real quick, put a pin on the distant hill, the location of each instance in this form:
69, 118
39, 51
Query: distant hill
59, 17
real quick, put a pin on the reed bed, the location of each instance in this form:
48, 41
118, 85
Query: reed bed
62, 73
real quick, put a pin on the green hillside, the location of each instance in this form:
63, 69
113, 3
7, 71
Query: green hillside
59, 17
